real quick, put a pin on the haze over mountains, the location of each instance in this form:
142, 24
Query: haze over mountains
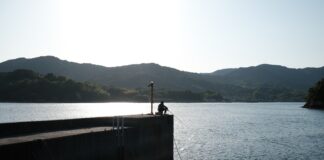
260, 83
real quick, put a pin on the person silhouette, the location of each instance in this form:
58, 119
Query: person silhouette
162, 109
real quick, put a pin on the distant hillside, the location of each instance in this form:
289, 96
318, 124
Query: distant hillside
271, 76
28, 86
259, 83
130, 76
223, 72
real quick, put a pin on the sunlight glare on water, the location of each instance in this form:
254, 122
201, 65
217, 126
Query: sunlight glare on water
18, 112
113, 109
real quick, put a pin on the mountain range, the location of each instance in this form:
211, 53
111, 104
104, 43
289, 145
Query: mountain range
264, 82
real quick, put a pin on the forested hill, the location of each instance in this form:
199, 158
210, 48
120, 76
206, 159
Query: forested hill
259, 83
130, 76
28, 86
271, 75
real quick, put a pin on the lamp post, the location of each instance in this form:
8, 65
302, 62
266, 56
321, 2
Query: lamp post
152, 86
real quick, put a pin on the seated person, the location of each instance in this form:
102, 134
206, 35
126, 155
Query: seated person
162, 109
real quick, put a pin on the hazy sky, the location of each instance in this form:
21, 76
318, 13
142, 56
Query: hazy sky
191, 35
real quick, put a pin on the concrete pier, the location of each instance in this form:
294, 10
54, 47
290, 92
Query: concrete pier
136, 137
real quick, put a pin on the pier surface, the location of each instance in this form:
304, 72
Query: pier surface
134, 137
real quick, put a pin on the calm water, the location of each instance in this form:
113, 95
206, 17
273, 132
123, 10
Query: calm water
210, 131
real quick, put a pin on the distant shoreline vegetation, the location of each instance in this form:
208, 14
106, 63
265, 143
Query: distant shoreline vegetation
28, 86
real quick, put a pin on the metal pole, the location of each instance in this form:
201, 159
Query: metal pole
152, 101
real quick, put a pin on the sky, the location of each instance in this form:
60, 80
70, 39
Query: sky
190, 35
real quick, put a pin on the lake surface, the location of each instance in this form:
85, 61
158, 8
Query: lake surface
208, 131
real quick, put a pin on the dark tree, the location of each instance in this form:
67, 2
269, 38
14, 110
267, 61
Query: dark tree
315, 97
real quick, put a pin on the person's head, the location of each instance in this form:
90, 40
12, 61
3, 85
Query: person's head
162, 102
